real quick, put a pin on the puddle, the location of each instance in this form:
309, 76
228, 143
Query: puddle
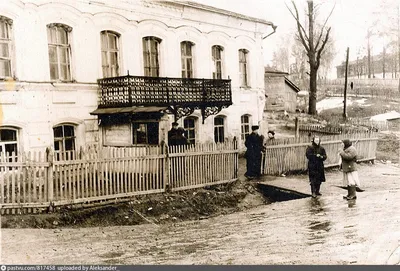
277, 194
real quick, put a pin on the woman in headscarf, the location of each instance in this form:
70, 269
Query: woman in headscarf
316, 156
350, 174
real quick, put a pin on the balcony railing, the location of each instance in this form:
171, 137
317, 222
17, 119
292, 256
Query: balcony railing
130, 90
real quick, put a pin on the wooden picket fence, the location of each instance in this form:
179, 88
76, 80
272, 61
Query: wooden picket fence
194, 166
35, 181
283, 158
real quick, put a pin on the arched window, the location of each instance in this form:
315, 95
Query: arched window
5, 47
64, 138
8, 141
217, 61
110, 56
243, 67
151, 56
245, 126
190, 127
58, 36
219, 129
187, 59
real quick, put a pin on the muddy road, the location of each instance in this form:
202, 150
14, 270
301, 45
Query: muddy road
327, 230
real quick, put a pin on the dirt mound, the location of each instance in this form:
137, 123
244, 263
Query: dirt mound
157, 208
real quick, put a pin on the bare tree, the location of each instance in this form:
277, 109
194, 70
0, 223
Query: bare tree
280, 58
314, 44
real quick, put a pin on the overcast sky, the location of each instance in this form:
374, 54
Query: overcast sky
349, 21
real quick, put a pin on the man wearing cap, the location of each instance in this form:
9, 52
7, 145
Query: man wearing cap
173, 134
254, 145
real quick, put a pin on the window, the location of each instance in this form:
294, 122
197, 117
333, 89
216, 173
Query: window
217, 61
64, 138
219, 129
243, 59
145, 133
245, 126
5, 47
110, 53
150, 56
59, 52
187, 59
8, 141
190, 127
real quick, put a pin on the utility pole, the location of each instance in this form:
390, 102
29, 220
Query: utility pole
345, 86
398, 38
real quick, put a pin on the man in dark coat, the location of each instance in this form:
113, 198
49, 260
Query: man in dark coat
316, 156
173, 134
254, 145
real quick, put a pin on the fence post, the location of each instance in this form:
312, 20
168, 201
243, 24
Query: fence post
49, 175
166, 165
296, 126
236, 160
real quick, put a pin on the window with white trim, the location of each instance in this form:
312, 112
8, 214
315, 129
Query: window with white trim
8, 141
245, 126
58, 36
243, 67
64, 138
151, 56
219, 129
110, 56
5, 47
187, 59
217, 61
190, 127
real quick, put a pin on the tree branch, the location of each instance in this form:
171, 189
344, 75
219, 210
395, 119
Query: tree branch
301, 31
324, 42
323, 26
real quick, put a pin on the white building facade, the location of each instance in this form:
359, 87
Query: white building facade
53, 53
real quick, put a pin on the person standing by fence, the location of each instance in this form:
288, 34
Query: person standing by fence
254, 145
173, 134
316, 156
350, 174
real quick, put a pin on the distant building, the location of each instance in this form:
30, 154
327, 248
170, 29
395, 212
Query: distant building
382, 66
281, 92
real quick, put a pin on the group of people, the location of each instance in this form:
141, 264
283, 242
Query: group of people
316, 156
255, 147
176, 136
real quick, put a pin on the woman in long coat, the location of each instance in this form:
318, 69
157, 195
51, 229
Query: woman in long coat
350, 173
316, 156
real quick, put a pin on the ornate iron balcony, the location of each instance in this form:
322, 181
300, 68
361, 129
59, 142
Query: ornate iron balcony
181, 95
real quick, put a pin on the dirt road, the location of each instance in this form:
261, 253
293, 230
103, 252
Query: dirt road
328, 230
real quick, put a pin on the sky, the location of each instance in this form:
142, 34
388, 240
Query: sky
349, 21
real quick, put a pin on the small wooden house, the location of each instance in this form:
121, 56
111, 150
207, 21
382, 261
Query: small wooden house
281, 92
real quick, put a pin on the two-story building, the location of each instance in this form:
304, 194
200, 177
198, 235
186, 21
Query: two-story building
75, 73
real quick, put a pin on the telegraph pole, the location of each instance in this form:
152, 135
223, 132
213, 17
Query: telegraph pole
345, 86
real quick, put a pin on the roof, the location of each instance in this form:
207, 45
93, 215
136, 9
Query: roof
217, 10
291, 85
269, 70
386, 116
133, 109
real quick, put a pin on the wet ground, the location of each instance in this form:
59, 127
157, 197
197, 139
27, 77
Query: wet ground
326, 230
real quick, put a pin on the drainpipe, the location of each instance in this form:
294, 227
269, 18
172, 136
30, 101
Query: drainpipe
274, 27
